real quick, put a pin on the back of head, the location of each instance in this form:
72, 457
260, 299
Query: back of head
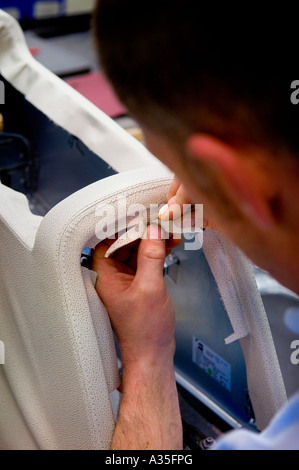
181, 67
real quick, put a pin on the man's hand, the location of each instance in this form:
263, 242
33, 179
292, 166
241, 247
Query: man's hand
132, 288
176, 199
131, 285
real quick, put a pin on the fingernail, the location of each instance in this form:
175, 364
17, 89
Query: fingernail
172, 210
154, 232
163, 212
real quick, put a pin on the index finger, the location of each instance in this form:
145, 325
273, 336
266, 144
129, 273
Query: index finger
176, 206
176, 183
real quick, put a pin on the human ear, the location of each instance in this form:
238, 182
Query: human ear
239, 179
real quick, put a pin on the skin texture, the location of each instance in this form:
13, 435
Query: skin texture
248, 195
132, 287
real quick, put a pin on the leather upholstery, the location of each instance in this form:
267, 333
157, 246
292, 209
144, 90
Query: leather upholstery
58, 383
60, 365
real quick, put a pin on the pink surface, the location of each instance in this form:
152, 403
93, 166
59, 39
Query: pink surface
34, 51
95, 87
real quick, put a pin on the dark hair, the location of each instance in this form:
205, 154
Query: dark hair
178, 70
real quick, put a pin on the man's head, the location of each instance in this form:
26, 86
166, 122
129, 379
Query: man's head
213, 98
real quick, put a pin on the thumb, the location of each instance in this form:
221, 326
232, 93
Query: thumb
151, 258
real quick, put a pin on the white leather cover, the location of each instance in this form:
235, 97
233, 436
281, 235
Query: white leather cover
233, 274
60, 363
60, 371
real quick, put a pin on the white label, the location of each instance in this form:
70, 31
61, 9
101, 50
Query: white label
77, 6
209, 361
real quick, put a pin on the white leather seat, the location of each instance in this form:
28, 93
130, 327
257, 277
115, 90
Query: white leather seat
60, 363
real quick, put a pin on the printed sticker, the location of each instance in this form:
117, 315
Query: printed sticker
209, 361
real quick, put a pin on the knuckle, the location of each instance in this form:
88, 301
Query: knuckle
150, 292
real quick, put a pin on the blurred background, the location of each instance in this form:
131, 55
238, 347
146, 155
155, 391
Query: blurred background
59, 35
